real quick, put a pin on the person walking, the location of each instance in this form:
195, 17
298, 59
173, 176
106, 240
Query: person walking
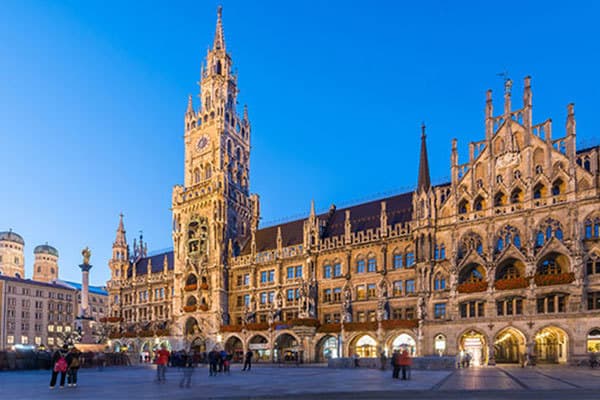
73, 363
248, 360
382, 360
227, 364
405, 363
222, 358
162, 359
395, 364
59, 366
187, 366
213, 361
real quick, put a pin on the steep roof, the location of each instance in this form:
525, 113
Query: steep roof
362, 217
157, 260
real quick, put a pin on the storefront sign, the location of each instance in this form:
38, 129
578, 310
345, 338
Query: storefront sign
258, 346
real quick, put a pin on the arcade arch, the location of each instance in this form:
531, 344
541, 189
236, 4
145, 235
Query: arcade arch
509, 345
551, 345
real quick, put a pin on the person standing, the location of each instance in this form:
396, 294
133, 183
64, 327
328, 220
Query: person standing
396, 364
74, 363
59, 366
187, 366
355, 357
382, 360
248, 360
162, 359
213, 361
405, 363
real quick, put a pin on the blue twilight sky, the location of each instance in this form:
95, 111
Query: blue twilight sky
93, 93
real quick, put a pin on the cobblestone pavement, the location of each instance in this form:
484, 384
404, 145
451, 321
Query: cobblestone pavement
503, 382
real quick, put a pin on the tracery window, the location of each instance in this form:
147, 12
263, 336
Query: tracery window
548, 229
470, 242
506, 236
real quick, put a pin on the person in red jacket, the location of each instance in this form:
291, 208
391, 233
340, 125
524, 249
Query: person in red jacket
162, 359
405, 363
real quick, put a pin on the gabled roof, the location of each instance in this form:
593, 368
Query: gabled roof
362, 217
157, 260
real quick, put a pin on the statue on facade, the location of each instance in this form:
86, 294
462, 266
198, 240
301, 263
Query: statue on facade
347, 305
312, 299
278, 307
86, 253
421, 309
383, 305
303, 305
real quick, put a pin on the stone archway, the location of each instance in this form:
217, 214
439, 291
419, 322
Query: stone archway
509, 346
472, 346
235, 347
365, 346
326, 348
551, 345
259, 345
287, 348
401, 342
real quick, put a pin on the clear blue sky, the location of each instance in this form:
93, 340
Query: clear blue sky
93, 93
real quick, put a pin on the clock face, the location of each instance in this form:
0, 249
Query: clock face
202, 143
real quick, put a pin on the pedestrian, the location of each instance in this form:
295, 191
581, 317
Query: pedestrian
227, 363
458, 359
396, 364
73, 366
222, 358
468, 358
101, 359
59, 366
162, 359
355, 357
248, 360
187, 368
382, 360
405, 363
213, 361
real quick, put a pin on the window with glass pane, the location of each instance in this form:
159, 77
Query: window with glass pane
371, 292
299, 271
337, 294
397, 288
361, 293
372, 265
398, 261
360, 316
272, 275
337, 269
439, 310
246, 279
360, 266
327, 295
290, 294
263, 276
246, 299
327, 271
271, 296
410, 286
290, 272
410, 259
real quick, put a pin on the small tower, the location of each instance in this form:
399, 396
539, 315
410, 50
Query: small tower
45, 266
120, 253
12, 259
424, 181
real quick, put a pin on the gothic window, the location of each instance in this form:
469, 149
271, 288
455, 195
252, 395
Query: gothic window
508, 271
587, 165
557, 187
548, 229
208, 171
516, 196
499, 199
439, 282
229, 147
478, 204
506, 236
218, 67
360, 266
472, 274
539, 191
470, 242
398, 261
196, 175
463, 207
592, 228
538, 169
553, 264
410, 259
593, 265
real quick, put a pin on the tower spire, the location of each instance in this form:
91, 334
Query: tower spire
120, 239
219, 43
424, 183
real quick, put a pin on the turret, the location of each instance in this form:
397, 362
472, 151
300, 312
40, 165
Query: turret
424, 181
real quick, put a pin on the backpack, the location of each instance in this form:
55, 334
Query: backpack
61, 365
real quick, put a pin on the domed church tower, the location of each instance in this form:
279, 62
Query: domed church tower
45, 265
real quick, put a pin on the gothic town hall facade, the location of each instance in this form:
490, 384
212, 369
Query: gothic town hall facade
501, 261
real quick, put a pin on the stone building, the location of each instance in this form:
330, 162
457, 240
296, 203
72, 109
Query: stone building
12, 258
97, 295
45, 266
34, 313
502, 260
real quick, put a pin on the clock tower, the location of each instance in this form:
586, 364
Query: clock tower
213, 207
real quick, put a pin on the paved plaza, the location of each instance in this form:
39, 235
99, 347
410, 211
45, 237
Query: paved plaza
548, 382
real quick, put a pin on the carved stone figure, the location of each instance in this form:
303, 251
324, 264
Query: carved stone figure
86, 253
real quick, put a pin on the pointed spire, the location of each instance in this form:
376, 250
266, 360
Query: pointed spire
507, 92
424, 183
219, 43
190, 106
120, 239
312, 208
246, 112
571, 119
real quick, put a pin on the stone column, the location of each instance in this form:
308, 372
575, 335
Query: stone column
85, 284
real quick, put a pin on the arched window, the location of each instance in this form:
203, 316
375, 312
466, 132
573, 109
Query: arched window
208, 171
472, 274
587, 165
439, 282
539, 191
506, 236
196, 175
557, 187
499, 199
593, 341
218, 67
549, 267
548, 228
463, 207
591, 228
478, 204
470, 242
516, 196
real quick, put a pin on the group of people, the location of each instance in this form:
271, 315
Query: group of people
401, 361
463, 359
65, 362
219, 362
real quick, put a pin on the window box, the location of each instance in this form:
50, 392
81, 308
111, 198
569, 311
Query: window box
204, 286
304, 322
558, 279
114, 319
190, 308
511, 283
162, 332
190, 288
232, 328
330, 328
360, 326
258, 326
399, 324
203, 307
472, 287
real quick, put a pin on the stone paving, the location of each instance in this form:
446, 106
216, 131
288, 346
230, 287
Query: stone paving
548, 382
